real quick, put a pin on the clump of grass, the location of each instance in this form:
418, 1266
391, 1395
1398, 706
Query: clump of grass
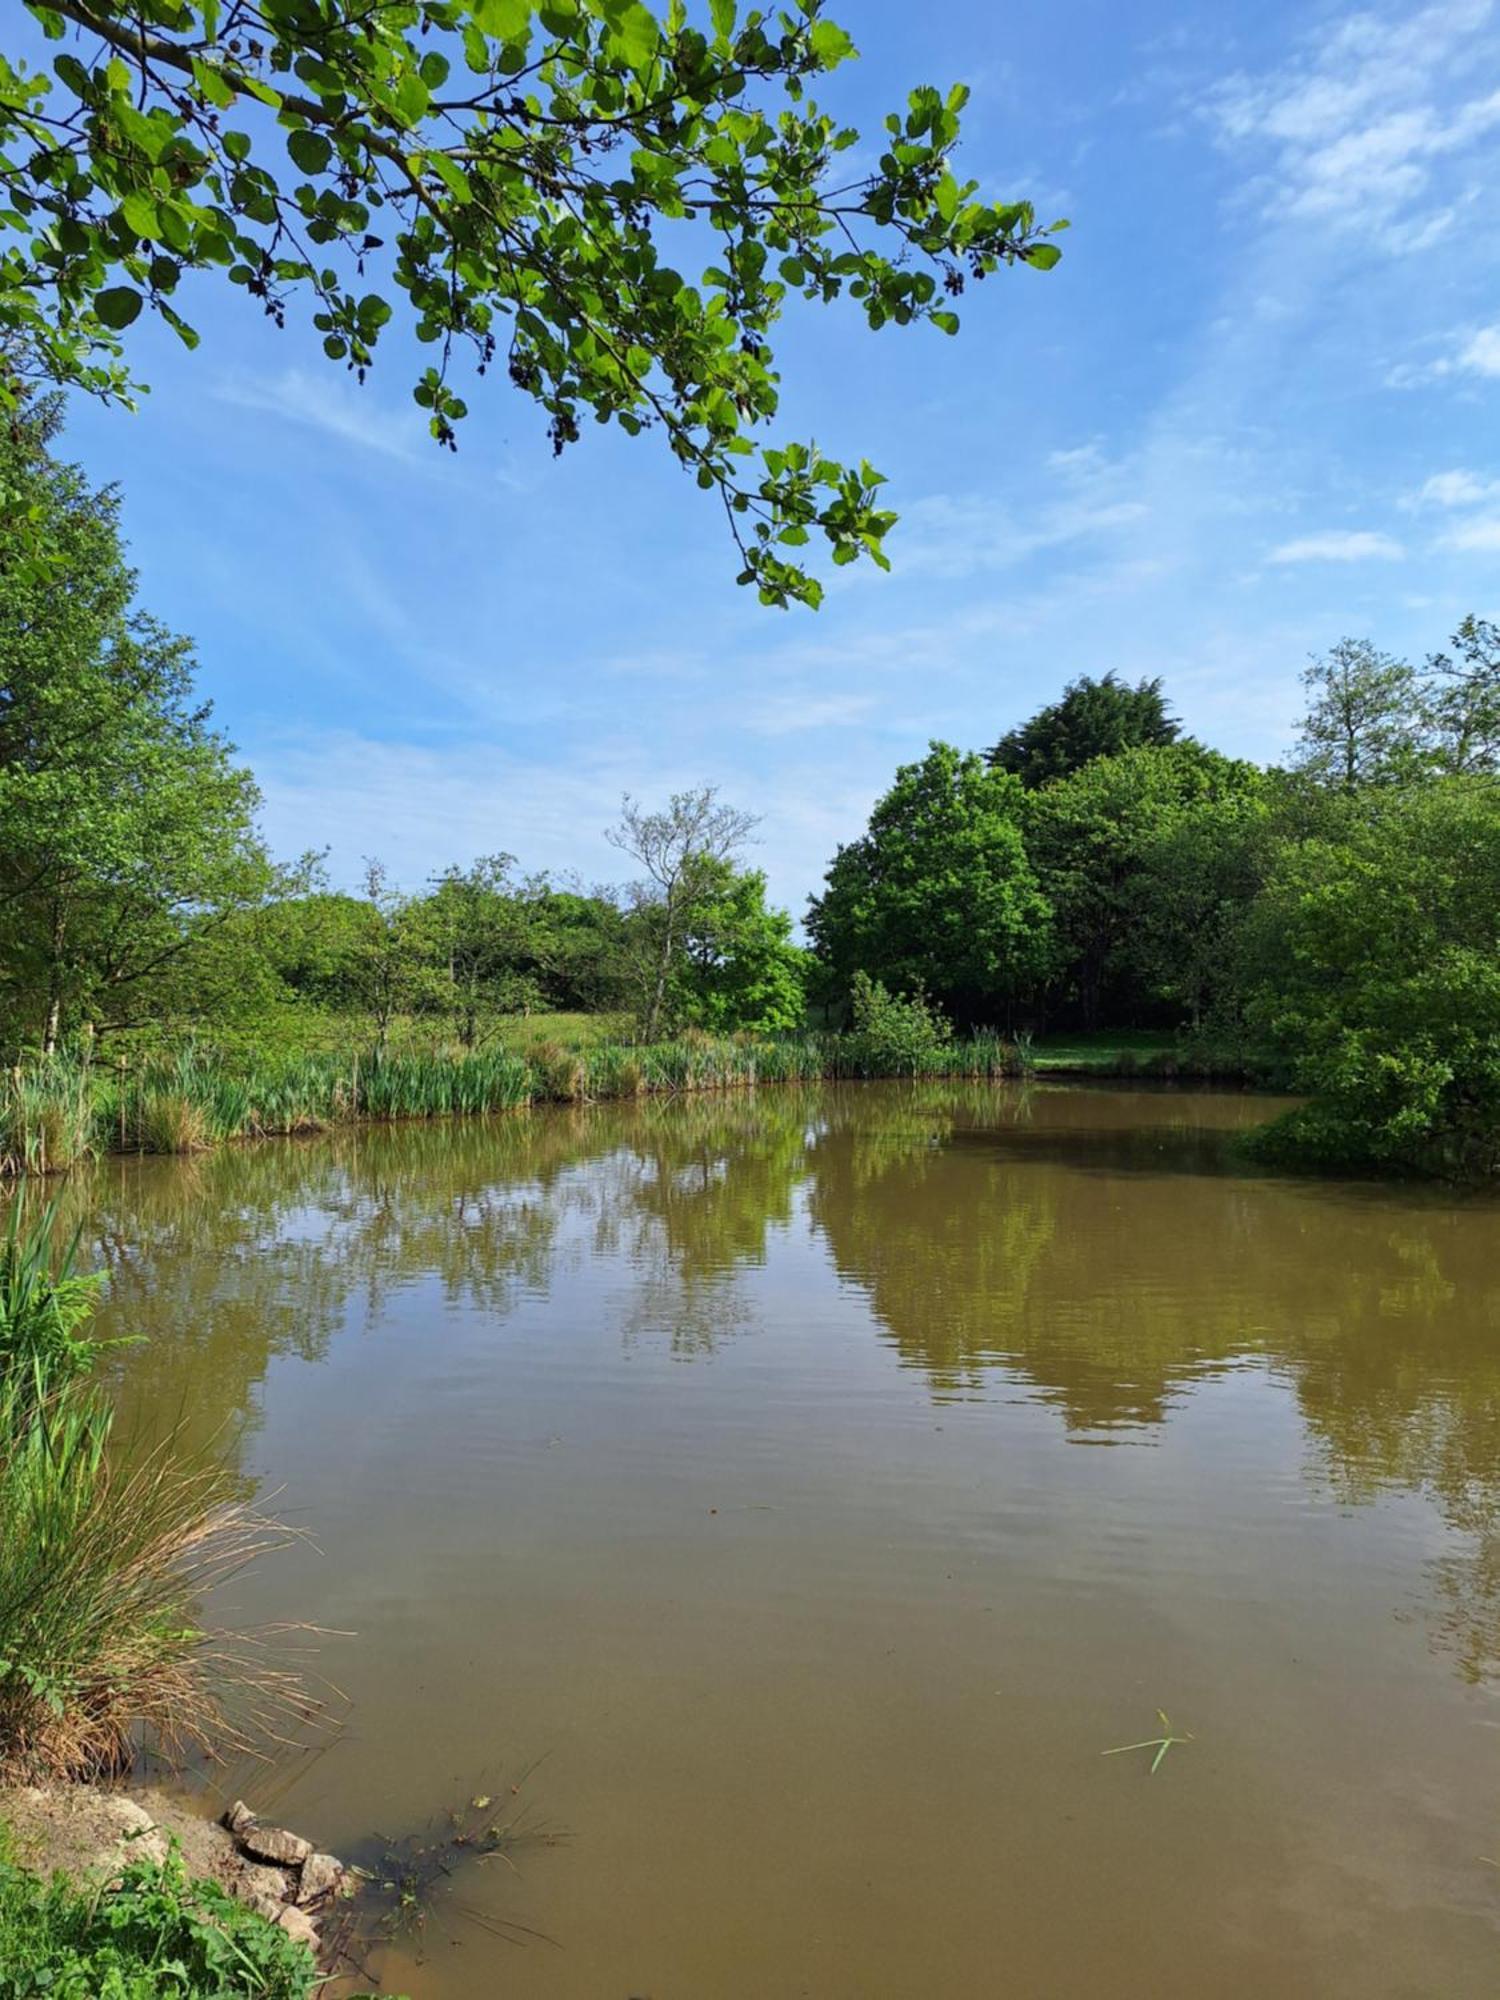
43, 1308
562, 1074
104, 1557
169, 1121
104, 1554
46, 1118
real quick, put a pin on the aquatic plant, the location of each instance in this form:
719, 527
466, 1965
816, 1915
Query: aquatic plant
46, 1117
105, 1552
1160, 1744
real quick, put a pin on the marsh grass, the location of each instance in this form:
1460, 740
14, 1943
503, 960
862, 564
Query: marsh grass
46, 1118
106, 1550
61, 1112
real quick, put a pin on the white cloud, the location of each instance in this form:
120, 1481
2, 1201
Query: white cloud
1355, 126
1480, 353
1480, 537
332, 404
1340, 545
1456, 488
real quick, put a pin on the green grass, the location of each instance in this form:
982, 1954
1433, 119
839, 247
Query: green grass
1148, 1052
193, 1098
105, 1553
151, 1934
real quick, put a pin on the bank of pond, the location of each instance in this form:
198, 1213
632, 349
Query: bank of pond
59, 1111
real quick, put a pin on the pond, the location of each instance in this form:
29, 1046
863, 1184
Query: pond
795, 1494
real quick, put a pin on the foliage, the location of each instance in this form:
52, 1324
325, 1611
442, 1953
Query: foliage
1092, 718
680, 849
152, 1933
1371, 962
895, 1035
939, 893
1462, 700
126, 831
503, 174
1364, 718
739, 967
1103, 840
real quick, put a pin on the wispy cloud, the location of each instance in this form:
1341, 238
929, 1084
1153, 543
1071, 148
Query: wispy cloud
1455, 488
1341, 545
1481, 537
1357, 121
334, 405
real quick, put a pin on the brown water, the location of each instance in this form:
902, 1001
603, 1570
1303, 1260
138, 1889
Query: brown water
818, 1483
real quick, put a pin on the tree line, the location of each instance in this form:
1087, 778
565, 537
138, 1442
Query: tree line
1333, 919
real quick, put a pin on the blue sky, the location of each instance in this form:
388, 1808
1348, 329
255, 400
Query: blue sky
1254, 409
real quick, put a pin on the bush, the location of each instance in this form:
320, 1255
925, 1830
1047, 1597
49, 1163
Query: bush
151, 1934
896, 1035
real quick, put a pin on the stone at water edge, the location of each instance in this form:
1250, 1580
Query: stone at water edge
322, 1877
274, 1843
238, 1817
299, 1925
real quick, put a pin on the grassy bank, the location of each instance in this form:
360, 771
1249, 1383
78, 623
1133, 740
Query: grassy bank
1150, 1052
58, 1112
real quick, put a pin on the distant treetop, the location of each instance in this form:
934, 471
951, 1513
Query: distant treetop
1093, 718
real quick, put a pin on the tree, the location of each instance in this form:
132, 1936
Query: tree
678, 848
1094, 718
127, 832
503, 173
484, 927
1463, 700
1093, 836
740, 968
390, 968
939, 892
1364, 722
1371, 964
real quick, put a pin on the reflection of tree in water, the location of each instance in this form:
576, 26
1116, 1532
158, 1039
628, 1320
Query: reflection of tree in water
1111, 1292
979, 1249
1068, 1239
689, 1201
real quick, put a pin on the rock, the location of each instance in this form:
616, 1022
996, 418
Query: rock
272, 1885
274, 1843
299, 1925
322, 1875
238, 1818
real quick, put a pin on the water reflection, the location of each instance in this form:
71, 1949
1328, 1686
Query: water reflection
1093, 1251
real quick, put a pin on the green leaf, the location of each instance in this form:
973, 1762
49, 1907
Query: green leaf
1043, 255
508, 20
946, 322
829, 43
311, 151
117, 305
139, 211
723, 17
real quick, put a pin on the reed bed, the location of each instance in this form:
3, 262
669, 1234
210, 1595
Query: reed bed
54, 1114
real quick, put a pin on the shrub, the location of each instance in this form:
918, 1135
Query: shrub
897, 1035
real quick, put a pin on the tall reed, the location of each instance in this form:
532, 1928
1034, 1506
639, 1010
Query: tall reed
105, 1552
